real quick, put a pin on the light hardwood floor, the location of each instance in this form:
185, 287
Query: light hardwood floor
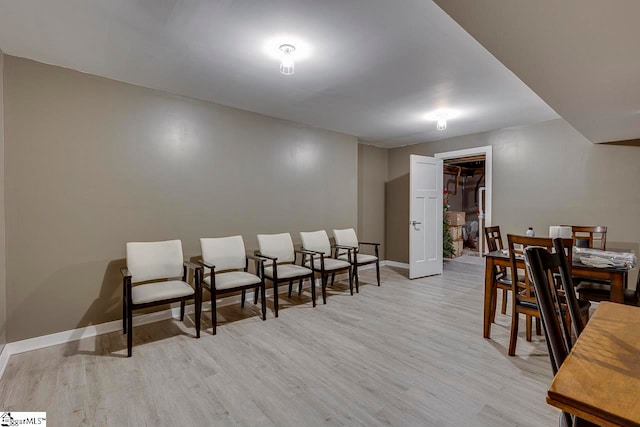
408, 353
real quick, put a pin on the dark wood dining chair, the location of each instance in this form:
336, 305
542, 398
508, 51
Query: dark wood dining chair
502, 278
595, 237
523, 295
587, 236
543, 269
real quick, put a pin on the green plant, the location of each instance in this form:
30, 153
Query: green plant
448, 249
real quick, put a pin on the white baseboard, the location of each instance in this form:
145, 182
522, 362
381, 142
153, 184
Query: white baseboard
396, 264
143, 319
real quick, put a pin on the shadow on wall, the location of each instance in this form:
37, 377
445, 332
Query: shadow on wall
397, 215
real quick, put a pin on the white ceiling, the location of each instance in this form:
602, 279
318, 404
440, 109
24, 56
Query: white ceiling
581, 57
375, 67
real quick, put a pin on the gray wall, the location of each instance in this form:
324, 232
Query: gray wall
93, 163
544, 174
372, 175
3, 266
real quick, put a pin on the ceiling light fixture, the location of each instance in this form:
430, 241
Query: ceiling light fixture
287, 63
442, 123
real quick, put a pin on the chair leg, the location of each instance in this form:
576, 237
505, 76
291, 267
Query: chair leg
378, 271
290, 287
182, 310
264, 301
325, 280
275, 298
129, 331
198, 310
333, 278
494, 304
214, 312
528, 327
538, 326
300, 287
356, 278
313, 289
504, 302
242, 298
255, 296
513, 338
350, 281
124, 309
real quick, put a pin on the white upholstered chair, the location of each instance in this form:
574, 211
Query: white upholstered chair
280, 265
347, 238
160, 273
318, 243
226, 265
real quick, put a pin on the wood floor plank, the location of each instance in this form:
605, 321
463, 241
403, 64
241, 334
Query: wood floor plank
408, 353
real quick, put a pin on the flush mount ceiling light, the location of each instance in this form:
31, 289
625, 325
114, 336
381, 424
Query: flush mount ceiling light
441, 116
442, 123
287, 60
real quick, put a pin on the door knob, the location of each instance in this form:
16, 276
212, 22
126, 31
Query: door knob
414, 223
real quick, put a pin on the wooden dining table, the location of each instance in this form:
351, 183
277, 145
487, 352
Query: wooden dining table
600, 379
617, 277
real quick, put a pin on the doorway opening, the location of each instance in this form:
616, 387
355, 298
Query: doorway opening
467, 192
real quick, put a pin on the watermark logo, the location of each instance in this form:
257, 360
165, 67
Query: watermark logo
10, 419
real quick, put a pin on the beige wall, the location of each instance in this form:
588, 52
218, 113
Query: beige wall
372, 175
3, 282
543, 174
93, 163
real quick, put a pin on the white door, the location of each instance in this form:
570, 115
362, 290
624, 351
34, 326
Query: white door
425, 222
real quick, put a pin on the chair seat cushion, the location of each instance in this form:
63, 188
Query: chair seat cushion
287, 271
329, 264
233, 279
360, 259
159, 291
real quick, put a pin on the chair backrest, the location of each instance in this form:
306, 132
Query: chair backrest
316, 241
154, 260
346, 237
523, 289
564, 267
493, 237
589, 236
540, 264
225, 253
277, 245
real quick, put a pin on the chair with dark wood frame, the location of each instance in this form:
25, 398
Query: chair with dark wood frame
586, 236
318, 243
598, 290
279, 252
542, 267
160, 275
523, 296
223, 257
502, 279
347, 240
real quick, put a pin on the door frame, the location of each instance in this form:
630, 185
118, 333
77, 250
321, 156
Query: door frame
487, 150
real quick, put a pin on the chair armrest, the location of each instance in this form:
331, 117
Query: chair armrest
266, 256
126, 274
314, 252
305, 252
349, 248
203, 263
257, 258
192, 265
369, 243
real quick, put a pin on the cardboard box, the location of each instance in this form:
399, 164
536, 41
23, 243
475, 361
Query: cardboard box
456, 232
458, 246
456, 218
